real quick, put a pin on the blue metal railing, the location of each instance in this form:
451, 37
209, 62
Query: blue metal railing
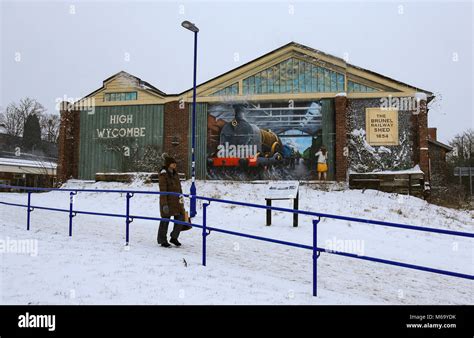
206, 230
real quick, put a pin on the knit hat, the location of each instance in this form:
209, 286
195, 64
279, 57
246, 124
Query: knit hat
168, 161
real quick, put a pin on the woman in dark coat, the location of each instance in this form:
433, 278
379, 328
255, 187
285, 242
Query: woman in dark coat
170, 205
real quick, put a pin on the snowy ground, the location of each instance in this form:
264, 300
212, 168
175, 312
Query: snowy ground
93, 266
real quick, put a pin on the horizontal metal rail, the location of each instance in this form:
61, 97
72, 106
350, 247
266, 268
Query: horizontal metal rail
265, 239
344, 218
260, 206
207, 229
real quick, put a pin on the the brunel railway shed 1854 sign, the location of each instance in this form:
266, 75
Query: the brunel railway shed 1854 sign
381, 127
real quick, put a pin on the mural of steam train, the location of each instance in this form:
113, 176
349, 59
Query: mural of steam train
243, 144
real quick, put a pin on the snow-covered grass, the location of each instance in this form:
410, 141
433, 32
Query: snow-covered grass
94, 267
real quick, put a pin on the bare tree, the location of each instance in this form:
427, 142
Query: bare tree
50, 127
10, 119
15, 115
463, 149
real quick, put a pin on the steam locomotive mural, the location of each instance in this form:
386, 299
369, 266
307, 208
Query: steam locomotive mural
263, 141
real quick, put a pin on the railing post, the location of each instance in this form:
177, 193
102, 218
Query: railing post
28, 212
296, 206
269, 211
204, 232
128, 219
315, 256
71, 200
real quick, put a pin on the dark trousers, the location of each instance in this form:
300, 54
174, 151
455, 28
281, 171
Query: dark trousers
163, 229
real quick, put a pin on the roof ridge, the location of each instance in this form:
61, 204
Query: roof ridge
291, 43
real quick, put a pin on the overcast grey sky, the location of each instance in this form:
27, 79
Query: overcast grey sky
50, 50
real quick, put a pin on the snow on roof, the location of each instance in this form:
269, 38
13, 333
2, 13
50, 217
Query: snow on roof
27, 163
420, 96
415, 170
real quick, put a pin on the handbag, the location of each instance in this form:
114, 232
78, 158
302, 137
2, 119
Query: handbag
188, 220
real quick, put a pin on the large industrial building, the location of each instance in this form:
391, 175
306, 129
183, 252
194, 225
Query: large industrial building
263, 120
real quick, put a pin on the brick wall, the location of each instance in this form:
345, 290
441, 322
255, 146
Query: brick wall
421, 125
438, 166
366, 158
341, 160
349, 115
68, 144
432, 133
176, 133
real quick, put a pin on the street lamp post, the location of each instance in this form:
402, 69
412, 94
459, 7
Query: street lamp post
190, 26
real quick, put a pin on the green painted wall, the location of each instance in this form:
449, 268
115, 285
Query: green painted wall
104, 133
201, 140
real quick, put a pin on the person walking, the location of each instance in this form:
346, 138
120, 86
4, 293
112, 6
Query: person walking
170, 205
322, 166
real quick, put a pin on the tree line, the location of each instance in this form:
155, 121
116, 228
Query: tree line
16, 116
462, 154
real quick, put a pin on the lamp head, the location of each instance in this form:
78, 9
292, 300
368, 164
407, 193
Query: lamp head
190, 26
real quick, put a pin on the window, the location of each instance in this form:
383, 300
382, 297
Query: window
283, 77
229, 91
125, 96
258, 85
294, 76
333, 82
327, 81
265, 81
340, 83
359, 88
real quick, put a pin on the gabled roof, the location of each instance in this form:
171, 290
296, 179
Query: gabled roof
142, 84
328, 58
284, 52
440, 144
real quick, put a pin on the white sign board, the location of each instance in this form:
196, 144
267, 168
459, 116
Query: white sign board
286, 189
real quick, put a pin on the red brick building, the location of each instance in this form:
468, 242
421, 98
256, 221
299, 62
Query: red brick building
263, 120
